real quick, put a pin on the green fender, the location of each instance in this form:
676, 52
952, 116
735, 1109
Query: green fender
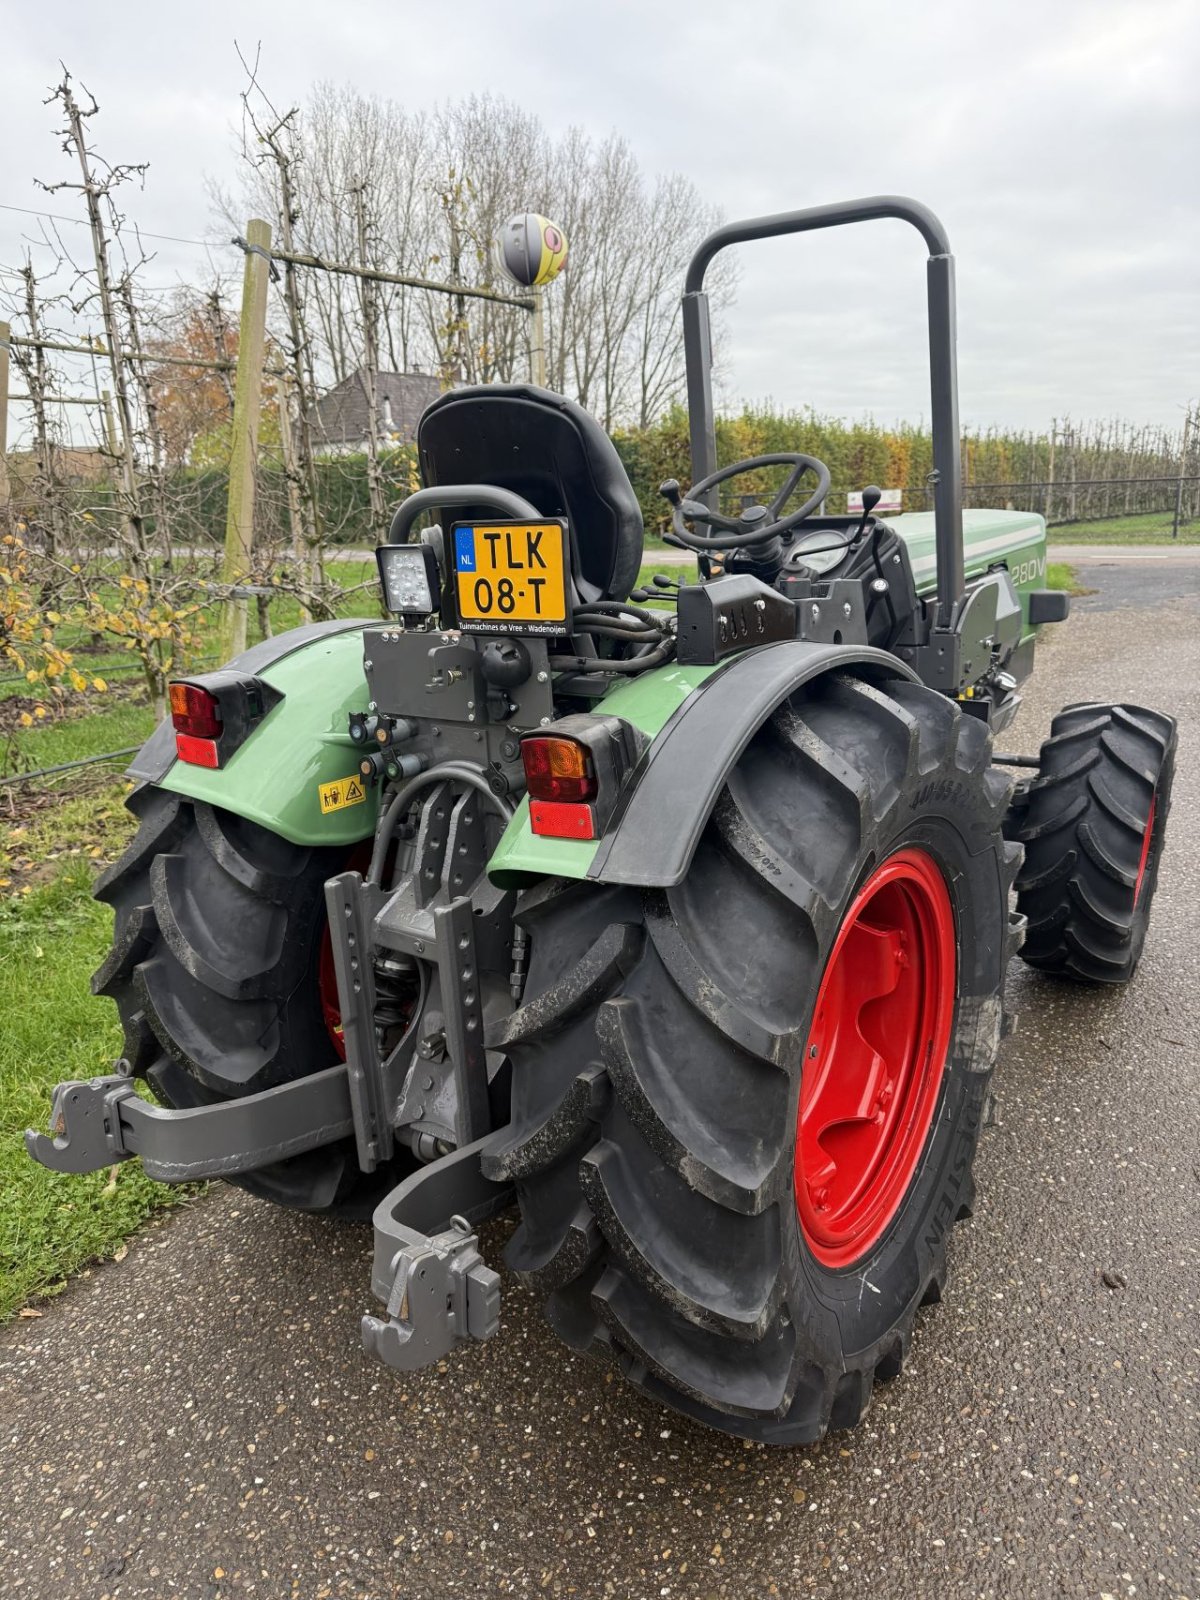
1016, 539
302, 743
275, 779
648, 702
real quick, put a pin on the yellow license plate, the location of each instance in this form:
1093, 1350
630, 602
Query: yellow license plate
511, 576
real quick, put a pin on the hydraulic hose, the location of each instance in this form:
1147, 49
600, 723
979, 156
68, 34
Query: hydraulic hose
446, 770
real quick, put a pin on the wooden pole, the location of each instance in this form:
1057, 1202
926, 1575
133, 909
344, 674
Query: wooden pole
5, 488
375, 275
537, 340
1183, 466
243, 457
99, 348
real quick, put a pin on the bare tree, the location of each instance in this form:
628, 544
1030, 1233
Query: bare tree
277, 137
442, 186
31, 362
370, 369
97, 192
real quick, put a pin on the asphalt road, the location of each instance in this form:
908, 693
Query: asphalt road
198, 1420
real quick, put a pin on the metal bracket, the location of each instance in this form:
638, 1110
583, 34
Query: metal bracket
939, 661
350, 925
85, 1126
833, 612
432, 1279
985, 632
96, 1123
461, 1004
257, 250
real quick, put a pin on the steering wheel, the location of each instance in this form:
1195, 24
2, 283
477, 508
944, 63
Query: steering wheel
757, 524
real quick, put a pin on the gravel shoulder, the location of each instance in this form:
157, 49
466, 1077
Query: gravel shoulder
199, 1420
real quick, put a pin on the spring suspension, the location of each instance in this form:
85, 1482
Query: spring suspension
397, 987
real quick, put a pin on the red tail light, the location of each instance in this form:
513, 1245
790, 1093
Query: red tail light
215, 714
559, 770
197, 752
194, 712
575, 772
196, 718
554, 819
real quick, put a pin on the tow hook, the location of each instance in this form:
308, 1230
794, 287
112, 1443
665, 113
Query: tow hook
428, 1272
442, 1292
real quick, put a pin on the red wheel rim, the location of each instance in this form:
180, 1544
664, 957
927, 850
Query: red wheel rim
1147, 837
875, 1057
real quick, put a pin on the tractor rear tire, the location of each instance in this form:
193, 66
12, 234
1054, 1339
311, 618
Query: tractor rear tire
1092, 823
703, 1083
215, 971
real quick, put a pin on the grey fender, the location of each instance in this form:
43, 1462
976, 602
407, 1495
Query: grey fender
657, 824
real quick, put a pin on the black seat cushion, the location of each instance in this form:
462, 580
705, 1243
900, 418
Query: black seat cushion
547, 449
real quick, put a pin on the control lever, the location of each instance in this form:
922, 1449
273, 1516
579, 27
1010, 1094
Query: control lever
661, 583
871, 496
669, 489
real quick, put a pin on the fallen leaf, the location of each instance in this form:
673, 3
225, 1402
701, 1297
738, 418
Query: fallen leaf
29, 1311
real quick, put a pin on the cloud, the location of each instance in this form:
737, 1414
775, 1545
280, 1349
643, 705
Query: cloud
1059, 143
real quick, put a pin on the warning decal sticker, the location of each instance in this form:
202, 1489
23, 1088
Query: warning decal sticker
341, 792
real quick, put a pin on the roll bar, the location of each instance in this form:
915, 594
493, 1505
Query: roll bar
488, 495
943, 367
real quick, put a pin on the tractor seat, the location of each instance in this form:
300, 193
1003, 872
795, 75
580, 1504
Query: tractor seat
550, 451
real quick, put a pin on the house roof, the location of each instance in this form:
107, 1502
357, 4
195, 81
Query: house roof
341, 417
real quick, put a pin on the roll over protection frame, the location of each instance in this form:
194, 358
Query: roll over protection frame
943, 368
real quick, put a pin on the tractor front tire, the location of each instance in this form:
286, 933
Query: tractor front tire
745, 1108
216, 972
1092, 824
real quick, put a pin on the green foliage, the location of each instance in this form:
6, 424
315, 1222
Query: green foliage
999, 468
1060, 575
213, 449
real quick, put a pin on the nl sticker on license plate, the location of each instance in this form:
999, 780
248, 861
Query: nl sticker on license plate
511, 577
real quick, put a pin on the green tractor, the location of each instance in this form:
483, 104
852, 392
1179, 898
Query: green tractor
683, 930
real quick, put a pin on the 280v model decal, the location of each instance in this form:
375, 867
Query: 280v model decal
1025, 573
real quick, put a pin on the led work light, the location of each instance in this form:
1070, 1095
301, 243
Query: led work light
409, 574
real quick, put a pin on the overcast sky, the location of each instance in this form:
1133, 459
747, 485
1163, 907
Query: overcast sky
1058, 140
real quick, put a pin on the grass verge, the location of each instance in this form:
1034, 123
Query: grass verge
52, 937
1061, 575
1153, 527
